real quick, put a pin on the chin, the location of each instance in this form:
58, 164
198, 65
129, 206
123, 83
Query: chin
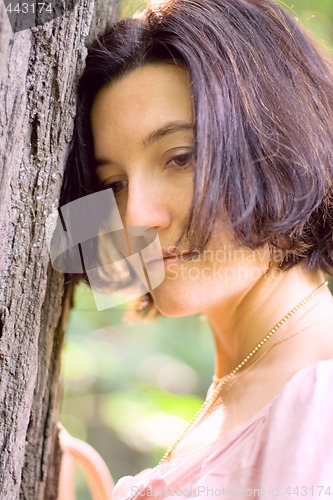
176, 303
170, 308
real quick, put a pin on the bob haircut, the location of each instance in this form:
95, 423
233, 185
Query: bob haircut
263, 101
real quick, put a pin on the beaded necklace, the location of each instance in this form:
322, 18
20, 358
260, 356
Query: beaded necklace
210, 402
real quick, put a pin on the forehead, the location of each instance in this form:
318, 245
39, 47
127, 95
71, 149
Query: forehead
141, 101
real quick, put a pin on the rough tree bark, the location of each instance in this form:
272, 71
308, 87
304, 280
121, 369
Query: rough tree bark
38, 73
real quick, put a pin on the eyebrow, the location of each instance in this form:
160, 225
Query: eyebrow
167, 129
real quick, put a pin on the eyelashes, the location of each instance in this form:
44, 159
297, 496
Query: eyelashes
116, 186
181, 160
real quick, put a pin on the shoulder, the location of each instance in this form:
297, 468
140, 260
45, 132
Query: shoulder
288, 443
298, 431
305, 399
311, 386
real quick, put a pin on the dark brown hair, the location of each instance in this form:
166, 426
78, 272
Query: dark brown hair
263, 96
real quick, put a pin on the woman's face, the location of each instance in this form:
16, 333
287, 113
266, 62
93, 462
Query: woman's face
142, 126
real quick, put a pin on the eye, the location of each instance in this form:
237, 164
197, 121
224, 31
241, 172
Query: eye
181, 160
116, 186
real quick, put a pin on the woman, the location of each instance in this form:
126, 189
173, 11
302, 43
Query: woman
212, 122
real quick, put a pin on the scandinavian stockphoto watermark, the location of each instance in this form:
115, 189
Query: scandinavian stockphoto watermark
26, 14
202, 491
87, 236
226, 263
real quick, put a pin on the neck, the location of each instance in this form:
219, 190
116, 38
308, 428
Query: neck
245, 318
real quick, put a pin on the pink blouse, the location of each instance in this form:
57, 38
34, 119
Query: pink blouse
284, 451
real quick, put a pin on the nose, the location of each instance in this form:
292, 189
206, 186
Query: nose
148, 203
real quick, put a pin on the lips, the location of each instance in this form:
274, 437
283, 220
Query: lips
179, 256
175, 253
184, 256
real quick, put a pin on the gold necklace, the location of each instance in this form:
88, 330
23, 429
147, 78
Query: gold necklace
280, 340
221, 382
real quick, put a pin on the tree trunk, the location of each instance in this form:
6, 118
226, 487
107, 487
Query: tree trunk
39, 68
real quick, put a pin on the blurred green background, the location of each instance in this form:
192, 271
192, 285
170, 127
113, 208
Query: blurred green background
129, 389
